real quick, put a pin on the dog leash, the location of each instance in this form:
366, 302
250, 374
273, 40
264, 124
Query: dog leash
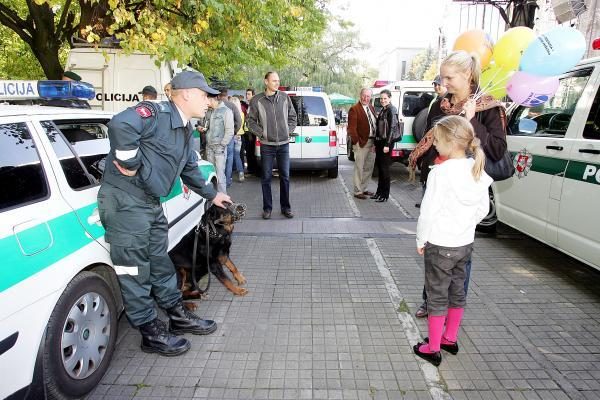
194, 260
238, 211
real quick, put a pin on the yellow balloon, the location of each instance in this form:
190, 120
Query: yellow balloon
478, 42
511, 45
493, 80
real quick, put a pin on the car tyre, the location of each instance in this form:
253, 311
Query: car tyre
490, 221
80, 337
419, 124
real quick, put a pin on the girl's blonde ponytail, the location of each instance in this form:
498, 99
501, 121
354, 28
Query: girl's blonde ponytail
477, 152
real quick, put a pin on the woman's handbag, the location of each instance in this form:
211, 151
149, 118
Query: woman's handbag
500, 170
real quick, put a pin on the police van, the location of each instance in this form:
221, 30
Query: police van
313, 144
555, 191
409, 98
59, 295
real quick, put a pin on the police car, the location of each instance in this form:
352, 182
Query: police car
555, 191
313, 145
59, 295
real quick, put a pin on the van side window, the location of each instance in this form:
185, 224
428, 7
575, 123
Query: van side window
592, 125
22, 176
552, 118
81, 147
311, 110
413, 102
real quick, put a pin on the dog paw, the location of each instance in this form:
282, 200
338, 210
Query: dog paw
190, 306
241, 280
241, 292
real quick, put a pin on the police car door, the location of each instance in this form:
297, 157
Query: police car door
295, 146
579, 220
80, 144
540, 140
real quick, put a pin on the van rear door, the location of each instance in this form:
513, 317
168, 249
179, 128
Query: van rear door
314, 120
296, 138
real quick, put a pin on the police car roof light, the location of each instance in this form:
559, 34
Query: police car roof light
65, 90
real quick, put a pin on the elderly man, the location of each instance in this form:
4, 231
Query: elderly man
361, 128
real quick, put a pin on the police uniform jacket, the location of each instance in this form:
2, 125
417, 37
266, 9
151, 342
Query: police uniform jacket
152, 139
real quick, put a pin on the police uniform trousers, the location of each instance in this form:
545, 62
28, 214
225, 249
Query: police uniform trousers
137, 231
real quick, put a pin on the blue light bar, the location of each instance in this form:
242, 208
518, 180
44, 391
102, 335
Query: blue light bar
65, 90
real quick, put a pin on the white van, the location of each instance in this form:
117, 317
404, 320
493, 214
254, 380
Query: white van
118, 78
555, 192
410, 98
313, 145
59, 295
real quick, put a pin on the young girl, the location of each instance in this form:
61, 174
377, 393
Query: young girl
455, 201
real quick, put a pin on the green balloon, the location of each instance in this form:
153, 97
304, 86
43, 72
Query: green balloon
493, 80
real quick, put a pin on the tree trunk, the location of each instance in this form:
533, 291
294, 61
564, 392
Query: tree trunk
48, 58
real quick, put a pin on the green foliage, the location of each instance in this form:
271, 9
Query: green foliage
332, 62
16, 59
422, 64
215, 36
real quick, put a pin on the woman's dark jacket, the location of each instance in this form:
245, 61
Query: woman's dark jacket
387, 125
488, 126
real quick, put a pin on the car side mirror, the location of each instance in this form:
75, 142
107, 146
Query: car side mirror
527, 126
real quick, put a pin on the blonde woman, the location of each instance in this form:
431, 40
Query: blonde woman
460, 73
455, 201
234, 148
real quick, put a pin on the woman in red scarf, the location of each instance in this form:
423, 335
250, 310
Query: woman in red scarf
460, 73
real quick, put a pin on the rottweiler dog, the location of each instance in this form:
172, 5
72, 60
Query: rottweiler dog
220, 222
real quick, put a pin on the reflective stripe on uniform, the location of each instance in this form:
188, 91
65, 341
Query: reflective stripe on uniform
126, 270
125, 155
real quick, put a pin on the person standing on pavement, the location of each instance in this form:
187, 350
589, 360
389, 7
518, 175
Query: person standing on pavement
150, 148
386, 133
440, 90
361, 128
250, 140
149, 93
455, 201
460, 73
236, 160
218, 136
272, 118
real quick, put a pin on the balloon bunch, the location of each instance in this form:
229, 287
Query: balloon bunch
522, 65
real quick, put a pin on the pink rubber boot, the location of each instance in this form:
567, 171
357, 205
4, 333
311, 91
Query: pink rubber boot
436, 327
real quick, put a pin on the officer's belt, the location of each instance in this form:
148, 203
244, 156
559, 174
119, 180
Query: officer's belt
128, 187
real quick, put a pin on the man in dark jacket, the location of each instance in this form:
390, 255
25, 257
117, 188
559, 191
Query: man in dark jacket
150, 149
272, 118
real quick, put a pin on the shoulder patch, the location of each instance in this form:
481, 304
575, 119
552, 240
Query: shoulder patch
144, 111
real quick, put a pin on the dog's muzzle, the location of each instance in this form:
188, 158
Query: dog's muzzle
238, 210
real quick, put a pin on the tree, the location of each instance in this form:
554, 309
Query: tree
421, 63
214, 35
332, 63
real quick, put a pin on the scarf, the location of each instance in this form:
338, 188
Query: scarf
483, 103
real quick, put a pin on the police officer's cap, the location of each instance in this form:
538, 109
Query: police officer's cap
191, 79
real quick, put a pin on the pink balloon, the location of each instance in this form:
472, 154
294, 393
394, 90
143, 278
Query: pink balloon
531, 90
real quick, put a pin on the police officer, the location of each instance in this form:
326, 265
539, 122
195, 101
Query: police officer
150, 148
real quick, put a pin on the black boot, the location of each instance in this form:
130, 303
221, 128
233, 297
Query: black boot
182, 320
157, 339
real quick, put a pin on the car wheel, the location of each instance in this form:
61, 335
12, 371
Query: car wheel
419, 124
80, 337
490, 221
332, 173
349, 150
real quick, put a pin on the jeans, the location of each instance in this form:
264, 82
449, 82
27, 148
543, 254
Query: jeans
233, 157
268, 154
216, 155
467, 279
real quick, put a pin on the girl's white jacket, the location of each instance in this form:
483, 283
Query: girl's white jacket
454, 203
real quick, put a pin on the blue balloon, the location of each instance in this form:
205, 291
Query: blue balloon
554, 52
